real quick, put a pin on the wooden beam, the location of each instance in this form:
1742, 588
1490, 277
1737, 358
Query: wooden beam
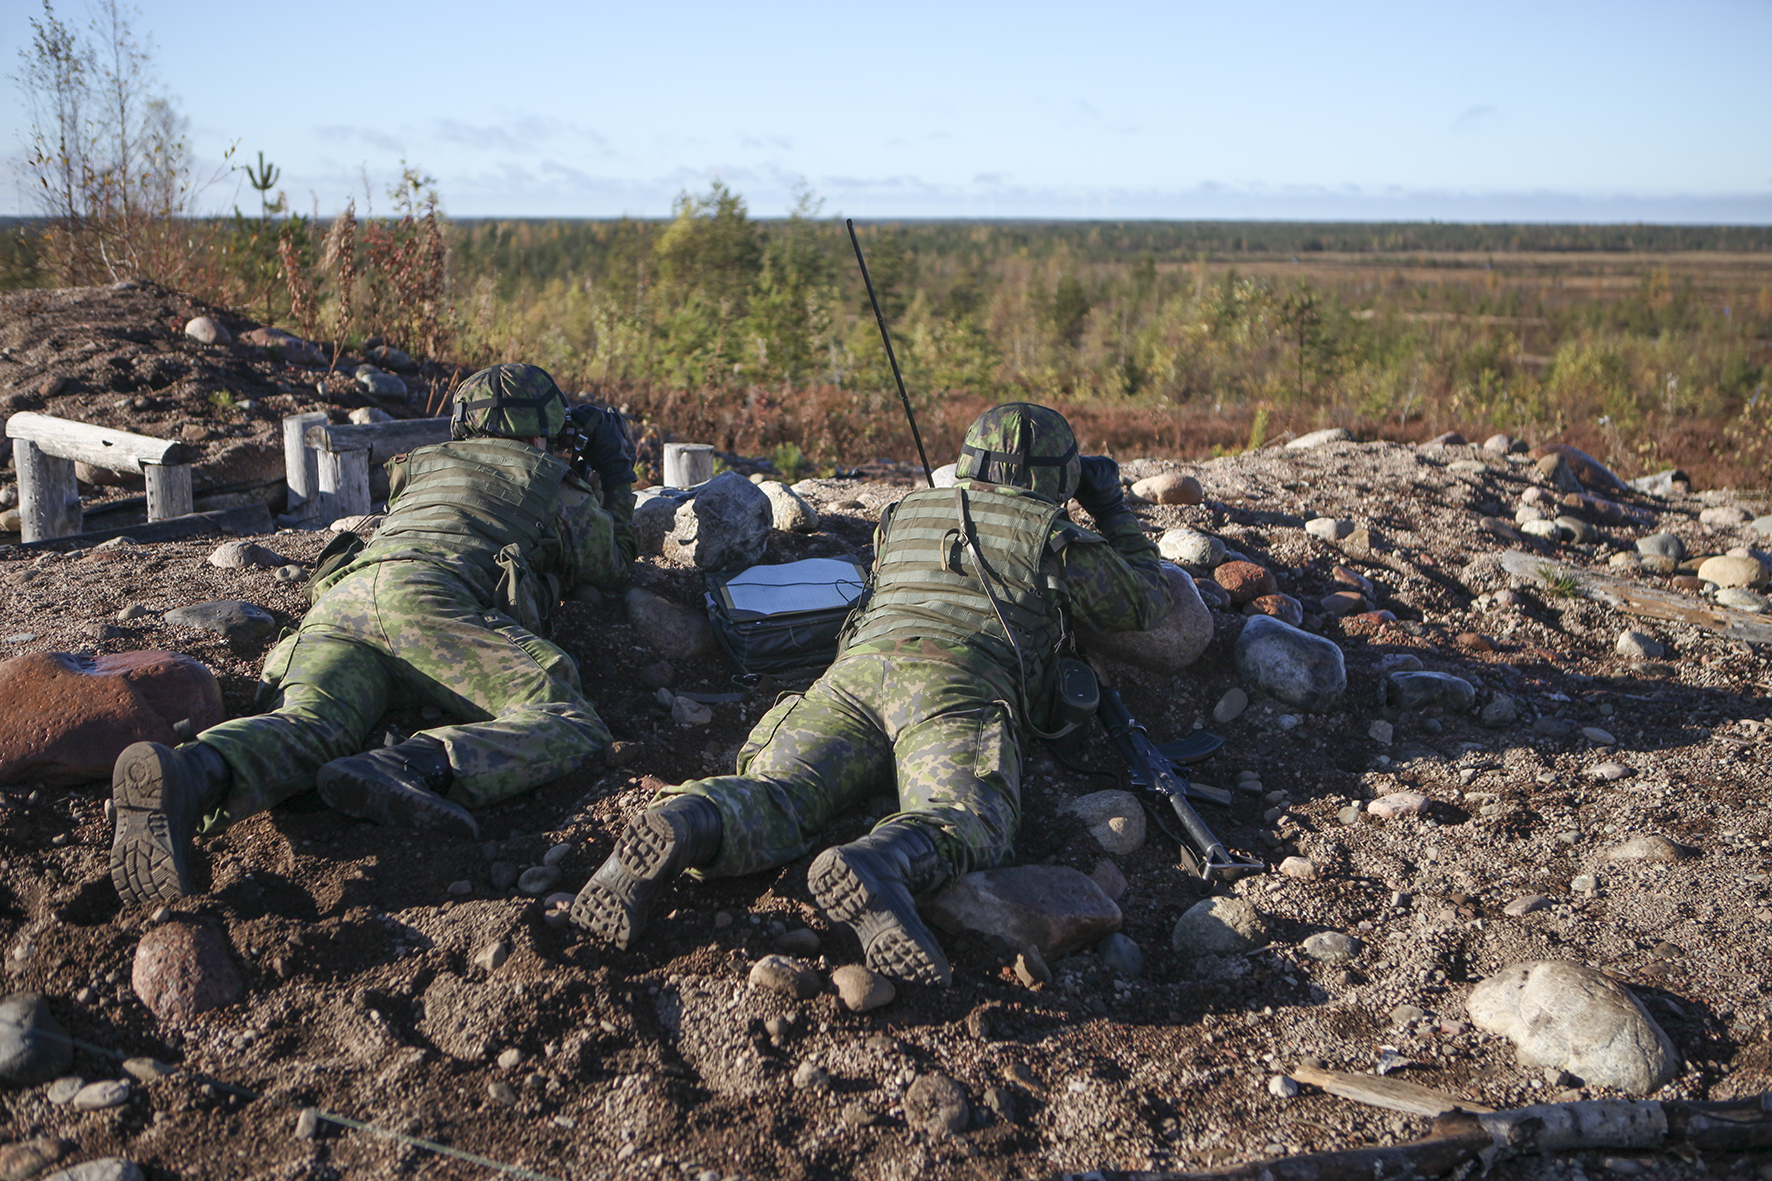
1393, 1094
98, 445
300, 471
383, 440
344, 484
48, 496
245, 520
169, 490
1641, 599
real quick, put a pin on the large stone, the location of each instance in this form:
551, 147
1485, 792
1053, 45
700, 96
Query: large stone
1663, 545
1571, 1017
786, 976
1726, 571
1291, 665
724, 526
1418, 690
34, 1047
183, 969
1328, 528
1193, 551
1114, 818
1635, 645
237, 621
242, 555
1056, 909
1648, 848
678, 632
1244, 581
1587, 469
1334, 434
1169, 488
936, 1105
1174, 644
30, 1158
389, 357
790, 513
655, 511
206, 330
373, 381
283, 346
861, 989
68, 716
1725, 514
1220, 926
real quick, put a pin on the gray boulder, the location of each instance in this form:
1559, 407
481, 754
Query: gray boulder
1663, 545
1418, 690
1219, 926
238, 621
1171, 646
790, 513
1052, 907
724, 526
677, 632
1334, 434
34, 1047
1570, 1017
1196, 552
1293, 666
655, 511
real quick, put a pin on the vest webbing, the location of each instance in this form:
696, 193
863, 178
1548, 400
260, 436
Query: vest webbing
471, 498
926, 585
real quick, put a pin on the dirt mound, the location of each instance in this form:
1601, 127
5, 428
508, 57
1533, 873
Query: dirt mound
371, 990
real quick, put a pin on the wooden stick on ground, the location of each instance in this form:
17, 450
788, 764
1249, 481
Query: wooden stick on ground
1616, 1124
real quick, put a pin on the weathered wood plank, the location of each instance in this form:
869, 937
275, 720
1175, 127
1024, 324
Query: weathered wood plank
245, 520
169, 490
98, 445
1635, 598
1394, 1094
344, 484
300, 471
383, 440
48, 495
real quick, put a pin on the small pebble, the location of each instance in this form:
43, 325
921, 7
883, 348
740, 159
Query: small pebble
1585, 883
1598, 736
63, 1090
1397, 804
461, 888
1607, 772
492, 957
1526, 904
802, 941
809, 1076
1300, 868
98, 1096
1282, 1087
307, 1124
557, 854
502, 1093
538, 879
511, 1058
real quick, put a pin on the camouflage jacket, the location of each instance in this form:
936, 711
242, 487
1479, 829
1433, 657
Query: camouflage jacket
1113, 582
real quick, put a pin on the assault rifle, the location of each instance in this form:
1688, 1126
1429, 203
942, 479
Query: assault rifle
1158, 773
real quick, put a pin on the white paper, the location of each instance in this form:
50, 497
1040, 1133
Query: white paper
813, 584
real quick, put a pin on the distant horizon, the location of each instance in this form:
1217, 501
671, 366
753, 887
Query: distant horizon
1505, 112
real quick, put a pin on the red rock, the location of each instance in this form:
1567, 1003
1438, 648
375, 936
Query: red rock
1345, 603
183, 969
1476, 642
1282, 607
1244, 581
1587, 469
1688, 582
1352, 578
69, 716
1055, 908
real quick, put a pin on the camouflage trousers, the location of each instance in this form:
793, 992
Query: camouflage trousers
945, 733
408, 633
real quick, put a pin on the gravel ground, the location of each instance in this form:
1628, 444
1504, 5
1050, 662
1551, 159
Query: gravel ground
363, 996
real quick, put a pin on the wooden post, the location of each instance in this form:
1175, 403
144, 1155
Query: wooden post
688, 464
344, 484
169, 489
48, 498
300, 467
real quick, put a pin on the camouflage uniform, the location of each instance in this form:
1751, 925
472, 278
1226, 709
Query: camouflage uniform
420, 617
941, 717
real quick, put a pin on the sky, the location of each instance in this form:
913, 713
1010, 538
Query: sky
1544, 111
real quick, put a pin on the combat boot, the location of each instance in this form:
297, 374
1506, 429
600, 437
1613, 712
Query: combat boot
160, 794
660, 843
399, 785
870, 885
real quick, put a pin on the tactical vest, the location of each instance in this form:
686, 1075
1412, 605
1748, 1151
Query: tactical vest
466, 502
927, 586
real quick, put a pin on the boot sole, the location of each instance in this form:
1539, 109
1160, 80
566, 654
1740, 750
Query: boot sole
367, 799
600, 910
891, 946
148, 866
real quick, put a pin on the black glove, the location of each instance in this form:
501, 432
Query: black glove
1099, 491
605, 448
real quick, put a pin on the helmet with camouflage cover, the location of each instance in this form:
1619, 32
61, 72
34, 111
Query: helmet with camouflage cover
1023, 445
508, 402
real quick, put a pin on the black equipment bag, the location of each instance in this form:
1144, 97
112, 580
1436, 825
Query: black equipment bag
773, 641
